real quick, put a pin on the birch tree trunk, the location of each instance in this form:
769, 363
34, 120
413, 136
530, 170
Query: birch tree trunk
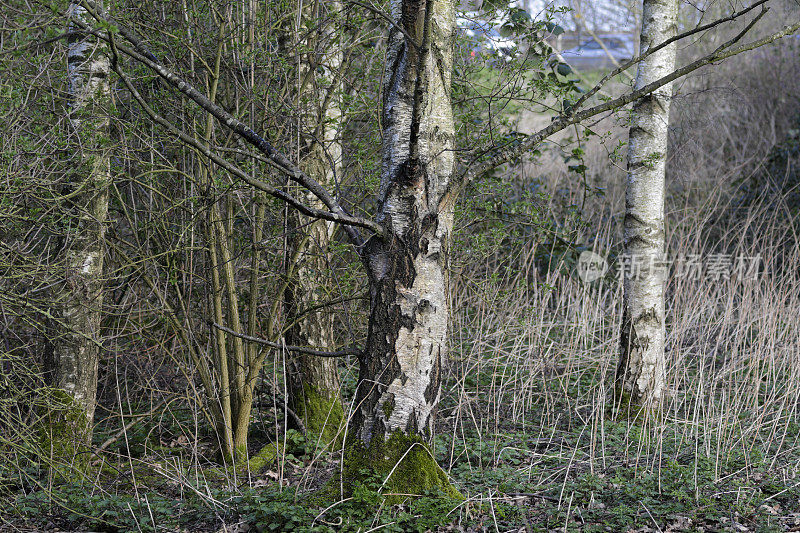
641, 371
74, 344
313, 382
400, 371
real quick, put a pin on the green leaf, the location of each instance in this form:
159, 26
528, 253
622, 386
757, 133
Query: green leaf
555, 29
519, 16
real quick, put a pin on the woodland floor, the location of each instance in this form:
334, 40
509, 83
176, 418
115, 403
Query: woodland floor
514, 478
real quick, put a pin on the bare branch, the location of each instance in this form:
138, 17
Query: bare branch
625, 66
298, 349
563, 121
144, 56
236, 171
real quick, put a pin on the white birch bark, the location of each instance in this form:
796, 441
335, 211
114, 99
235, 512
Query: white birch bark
400, 371
75, 350
314, 381
641, 371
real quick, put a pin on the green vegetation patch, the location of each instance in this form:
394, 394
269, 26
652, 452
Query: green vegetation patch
322, 415
403, 463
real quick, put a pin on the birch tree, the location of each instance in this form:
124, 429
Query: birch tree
400, 369
75, 344
641, 372
313, 382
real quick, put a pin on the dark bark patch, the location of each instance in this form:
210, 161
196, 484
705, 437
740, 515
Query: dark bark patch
411, 173
434, 383
412, 426
646, 316
640, 239
412, 9
635, 218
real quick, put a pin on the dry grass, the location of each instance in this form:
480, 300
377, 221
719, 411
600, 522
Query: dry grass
545, 346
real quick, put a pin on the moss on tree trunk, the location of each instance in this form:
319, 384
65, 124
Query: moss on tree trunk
402, 463
322, 414
64, 433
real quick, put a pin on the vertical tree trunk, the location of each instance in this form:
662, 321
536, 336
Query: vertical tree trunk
74, 345
641, 372
230, 356
400, 371
313, 382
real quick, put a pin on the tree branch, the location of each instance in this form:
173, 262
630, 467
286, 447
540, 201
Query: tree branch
625, 66
233, 169
298, 349
565, 120
144, 56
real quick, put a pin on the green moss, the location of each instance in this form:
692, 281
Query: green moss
225, 457
63, 434
266, 457
628, 407
402, 463
322, 415
388, 408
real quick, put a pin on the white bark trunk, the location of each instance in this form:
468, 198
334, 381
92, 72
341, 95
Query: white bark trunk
314, 381
75, 349
641, 371
400, 372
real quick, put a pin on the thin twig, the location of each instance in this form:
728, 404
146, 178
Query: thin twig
298, 349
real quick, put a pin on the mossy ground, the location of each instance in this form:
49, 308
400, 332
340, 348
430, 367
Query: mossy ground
543, 476
403, 464
541, 484
577, 471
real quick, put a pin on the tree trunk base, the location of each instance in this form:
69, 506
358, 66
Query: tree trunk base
403, 465
323, 416
627, 406
64, 435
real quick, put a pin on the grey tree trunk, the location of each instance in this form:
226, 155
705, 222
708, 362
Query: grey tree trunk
400, 371
641, 371
313, 382
75, 338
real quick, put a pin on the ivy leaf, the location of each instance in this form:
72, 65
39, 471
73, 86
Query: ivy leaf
564, 69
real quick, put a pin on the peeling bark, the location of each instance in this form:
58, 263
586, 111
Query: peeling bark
74, 344
400, 370
641, 371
